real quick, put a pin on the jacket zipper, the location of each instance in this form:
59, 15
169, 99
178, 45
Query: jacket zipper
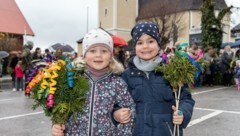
92, 102
91, 111
147, 74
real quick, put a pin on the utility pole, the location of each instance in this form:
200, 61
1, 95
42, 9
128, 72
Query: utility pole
87, 19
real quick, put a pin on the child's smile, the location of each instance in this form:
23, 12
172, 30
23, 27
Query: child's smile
98, 57
147, 47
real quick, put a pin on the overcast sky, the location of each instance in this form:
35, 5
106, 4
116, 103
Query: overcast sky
65, 21
58, 21
235, 12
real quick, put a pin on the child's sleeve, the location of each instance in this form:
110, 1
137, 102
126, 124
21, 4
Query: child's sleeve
186, 106
238, 72
124, 99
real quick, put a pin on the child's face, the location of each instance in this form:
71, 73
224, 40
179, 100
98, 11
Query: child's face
147, 47
98, 57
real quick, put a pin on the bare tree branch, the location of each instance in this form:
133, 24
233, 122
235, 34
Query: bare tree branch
168, 18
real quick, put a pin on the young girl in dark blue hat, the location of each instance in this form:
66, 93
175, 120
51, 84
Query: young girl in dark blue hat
156, 113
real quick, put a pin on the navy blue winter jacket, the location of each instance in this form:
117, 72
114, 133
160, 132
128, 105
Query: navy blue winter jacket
154, 99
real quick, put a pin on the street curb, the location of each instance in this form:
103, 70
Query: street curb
5, 79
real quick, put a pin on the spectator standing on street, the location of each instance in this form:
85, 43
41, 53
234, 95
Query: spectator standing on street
59, 54
19, 75
13, 62
119, 53
237, 74
211, 59
74, 55
226, 59
48, 56
1, 66
198, 53
26, 58
126, 58
37, 54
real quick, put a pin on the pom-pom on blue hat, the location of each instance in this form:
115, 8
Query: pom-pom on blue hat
148, 28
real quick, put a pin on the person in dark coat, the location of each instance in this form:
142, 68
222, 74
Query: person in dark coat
211, 59
119, 54
13, 62
26, 58
37, 54
156, 113
226, 69
48, 56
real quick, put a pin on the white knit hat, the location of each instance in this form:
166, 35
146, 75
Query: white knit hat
96, 36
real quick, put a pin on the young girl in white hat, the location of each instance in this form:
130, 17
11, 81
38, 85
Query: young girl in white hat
106, 90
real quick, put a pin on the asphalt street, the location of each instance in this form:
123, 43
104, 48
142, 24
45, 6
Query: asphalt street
216, 113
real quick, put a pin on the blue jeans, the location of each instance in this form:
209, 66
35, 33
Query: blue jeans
19, 83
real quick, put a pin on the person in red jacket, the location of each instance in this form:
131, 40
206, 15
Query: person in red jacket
19, 75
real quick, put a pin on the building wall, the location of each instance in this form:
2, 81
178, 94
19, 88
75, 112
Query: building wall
192, 25
195, 17
195, 26
226, 28
126, 15
120, 17
106, 13
183, 25
11, 42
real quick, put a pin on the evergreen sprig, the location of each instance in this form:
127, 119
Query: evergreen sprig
212, 26
178, 71
67, 101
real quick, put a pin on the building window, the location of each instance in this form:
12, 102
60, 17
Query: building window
105, 11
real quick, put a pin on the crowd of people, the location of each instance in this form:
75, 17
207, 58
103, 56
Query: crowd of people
217, 67
21, 62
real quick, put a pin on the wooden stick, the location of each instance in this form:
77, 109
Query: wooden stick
176, 100
179, 93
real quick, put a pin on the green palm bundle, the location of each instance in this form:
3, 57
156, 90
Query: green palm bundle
177, 72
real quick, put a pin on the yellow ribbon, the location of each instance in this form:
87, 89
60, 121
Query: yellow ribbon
44, 84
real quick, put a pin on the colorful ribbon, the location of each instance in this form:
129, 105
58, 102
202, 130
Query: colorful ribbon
70, 75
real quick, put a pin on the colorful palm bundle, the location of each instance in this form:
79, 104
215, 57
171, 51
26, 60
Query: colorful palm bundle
60, 89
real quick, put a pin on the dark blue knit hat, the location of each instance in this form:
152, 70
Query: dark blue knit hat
148, 28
